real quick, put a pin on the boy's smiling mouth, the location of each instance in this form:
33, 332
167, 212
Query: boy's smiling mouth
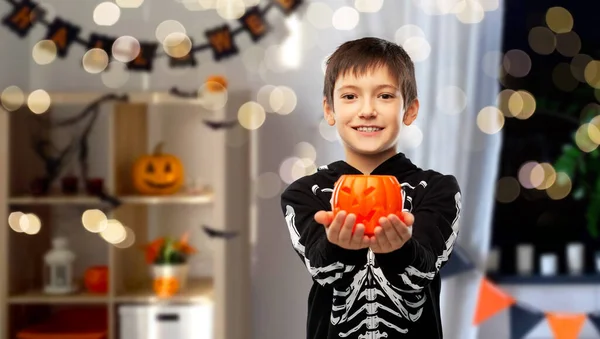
368, 129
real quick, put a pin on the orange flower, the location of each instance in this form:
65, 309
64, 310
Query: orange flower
183, 244
153, 248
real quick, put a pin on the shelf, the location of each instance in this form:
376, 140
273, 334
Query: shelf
203, 198
545, 280
196, 291
75, 98
39, 297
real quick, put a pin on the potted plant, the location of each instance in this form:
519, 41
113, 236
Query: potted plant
169, 259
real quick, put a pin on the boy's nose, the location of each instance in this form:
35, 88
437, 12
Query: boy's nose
367, 112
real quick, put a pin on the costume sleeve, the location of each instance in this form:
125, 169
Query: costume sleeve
434, 231
328, 264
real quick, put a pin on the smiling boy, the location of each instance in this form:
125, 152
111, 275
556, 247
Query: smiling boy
386, 285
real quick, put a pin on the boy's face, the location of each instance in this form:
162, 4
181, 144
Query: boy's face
368, 111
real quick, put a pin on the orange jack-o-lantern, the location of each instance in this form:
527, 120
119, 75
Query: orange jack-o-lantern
158, 173
96, 279
165, 287
216, 83
369, 197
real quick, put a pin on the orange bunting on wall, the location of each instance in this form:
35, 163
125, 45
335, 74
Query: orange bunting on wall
565, 325
491, 301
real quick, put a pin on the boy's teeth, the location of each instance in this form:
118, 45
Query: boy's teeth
369, 129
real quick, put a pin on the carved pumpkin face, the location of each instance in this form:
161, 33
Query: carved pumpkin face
369, 197
158, 173
165, 287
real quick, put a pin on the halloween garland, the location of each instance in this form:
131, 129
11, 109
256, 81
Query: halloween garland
221, 39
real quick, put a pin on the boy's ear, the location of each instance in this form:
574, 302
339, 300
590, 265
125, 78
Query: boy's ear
328, 112
411, 112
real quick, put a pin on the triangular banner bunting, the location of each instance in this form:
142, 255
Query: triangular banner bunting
522, 320
491, 301
595, 320
458, 263
565, 326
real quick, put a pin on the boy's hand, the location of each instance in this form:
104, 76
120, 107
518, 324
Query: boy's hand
392, 234
339, 230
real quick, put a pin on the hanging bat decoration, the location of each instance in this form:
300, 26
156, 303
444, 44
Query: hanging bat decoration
220, 124
179, 93
213, 233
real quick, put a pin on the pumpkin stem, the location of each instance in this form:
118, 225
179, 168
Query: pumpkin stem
158, 149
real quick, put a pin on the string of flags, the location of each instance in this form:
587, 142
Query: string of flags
492, 300
25, 14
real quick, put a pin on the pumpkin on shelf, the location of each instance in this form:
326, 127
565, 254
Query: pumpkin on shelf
158, 173
369, 197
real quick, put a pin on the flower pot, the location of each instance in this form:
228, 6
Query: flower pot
169, 279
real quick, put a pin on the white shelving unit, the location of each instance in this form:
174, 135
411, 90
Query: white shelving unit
130, 129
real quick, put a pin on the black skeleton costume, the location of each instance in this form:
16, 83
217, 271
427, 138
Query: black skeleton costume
362, 295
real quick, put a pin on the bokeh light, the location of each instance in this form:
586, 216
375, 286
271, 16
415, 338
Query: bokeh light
492, 63
44, 52
583, 139
306, 151
368, 6
561, 187
114, 232
129, 3
14, 221
30, 223
319, 14
106, 13
490, 120
283, 100
251, 115
507, 190
568, 44
125, 48
542, 40
451, 100
39, 101
418, 48
328, 132
230, 9
559, 20
578, 66
129, 239
410, 137
524, 174
563, 78
12, 98
469, 12
95, 60
592, 73
94, 220
406, 32
517, 63
345, 18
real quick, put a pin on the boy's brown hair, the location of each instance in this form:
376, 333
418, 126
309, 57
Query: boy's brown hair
362, 55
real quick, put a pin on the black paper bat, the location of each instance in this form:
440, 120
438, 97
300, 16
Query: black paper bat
220, 124
179, 93
213, 233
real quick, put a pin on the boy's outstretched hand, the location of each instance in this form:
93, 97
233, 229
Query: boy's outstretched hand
392, 234
339, 230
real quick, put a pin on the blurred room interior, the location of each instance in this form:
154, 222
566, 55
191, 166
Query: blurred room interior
144, 145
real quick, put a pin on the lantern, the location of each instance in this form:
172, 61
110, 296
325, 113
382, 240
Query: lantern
59, 268
369, 197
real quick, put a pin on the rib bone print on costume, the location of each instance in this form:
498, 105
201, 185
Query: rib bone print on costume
371, 306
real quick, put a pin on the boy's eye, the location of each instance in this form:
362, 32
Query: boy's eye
387, 96
349, 96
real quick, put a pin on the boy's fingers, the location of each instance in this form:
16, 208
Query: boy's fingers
345, 234
380, 237
333, 231
390, 232
408, 219
357, 237
324, 218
